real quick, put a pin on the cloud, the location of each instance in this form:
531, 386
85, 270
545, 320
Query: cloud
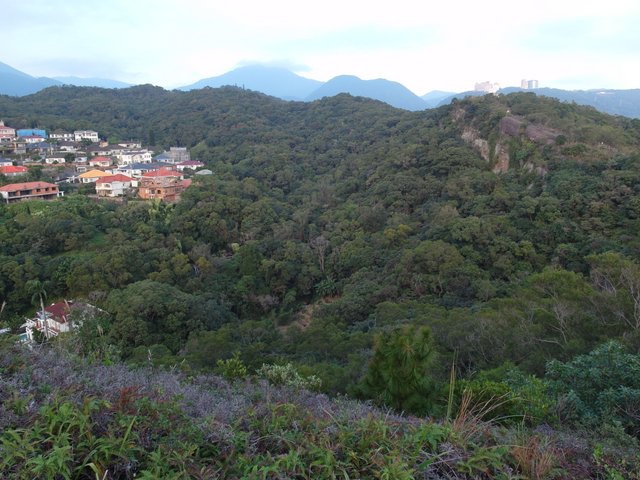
425, 45
594, 35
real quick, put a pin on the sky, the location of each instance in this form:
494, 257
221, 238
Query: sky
425, 45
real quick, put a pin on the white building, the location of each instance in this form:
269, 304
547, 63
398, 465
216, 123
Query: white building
62, 136
487, 87
129, 157
55, 158
57, 319
113, 186
80, 135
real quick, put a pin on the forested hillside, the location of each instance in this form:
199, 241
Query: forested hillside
493, 242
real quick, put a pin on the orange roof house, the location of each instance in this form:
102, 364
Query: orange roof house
16, 192
13, 171
162, 172
101, 161
167, 188
92, 175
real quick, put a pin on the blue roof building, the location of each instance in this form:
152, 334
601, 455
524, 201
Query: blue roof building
28, 132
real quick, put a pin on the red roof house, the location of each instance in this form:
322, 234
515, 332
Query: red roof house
12, 170
162, 172
113, 185
15, 192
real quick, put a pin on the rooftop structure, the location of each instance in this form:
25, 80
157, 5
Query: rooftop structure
16, 192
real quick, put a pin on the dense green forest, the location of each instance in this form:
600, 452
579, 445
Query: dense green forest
488, 249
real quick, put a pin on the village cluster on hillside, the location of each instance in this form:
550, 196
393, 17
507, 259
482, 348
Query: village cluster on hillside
116, 170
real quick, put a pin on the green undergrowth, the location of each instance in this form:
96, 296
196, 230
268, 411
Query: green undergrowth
64, 418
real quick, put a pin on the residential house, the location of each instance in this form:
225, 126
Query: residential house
130, 144
56, 158
163, 172
101, 161
5, 130
174, 155
13, 171
16, 192
31, 132
57, 318
163, 157
91, 176
68, 146
41, 148
138, 169
32, 139
5, 162
190, 164
80, 135
80, 163
19, 147
64, 175
127, 157
165, 188
7, 134
113, 185
62, 136
100, 150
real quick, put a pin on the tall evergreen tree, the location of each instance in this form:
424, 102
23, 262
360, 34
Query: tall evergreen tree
399, 373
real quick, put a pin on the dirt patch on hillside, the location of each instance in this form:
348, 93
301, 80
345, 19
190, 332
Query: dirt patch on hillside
510, 125
541, 134
514, 125
305, 317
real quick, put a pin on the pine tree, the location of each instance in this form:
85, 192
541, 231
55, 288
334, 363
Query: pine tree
399, 373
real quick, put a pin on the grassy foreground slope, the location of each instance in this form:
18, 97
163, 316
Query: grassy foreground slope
62, 417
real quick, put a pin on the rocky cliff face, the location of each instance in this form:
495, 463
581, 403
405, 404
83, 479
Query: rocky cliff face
498, 154
498, 150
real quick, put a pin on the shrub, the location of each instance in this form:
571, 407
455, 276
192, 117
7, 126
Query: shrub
288, 376
599, 387
233, 368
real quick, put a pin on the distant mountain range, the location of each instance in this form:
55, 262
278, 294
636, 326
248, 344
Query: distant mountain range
432, 99
613, 102
392, 93
282, 83
274, 81
16, 83
92, 82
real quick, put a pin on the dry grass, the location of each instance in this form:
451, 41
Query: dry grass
536, 457
470, 424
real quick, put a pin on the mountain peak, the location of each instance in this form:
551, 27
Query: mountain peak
274, 81
386, 91
16, 83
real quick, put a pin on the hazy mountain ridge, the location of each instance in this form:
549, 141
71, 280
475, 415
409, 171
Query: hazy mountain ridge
613, 102
16, 83
275, 81
92, 82
433, 98
393, 93
286, 85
